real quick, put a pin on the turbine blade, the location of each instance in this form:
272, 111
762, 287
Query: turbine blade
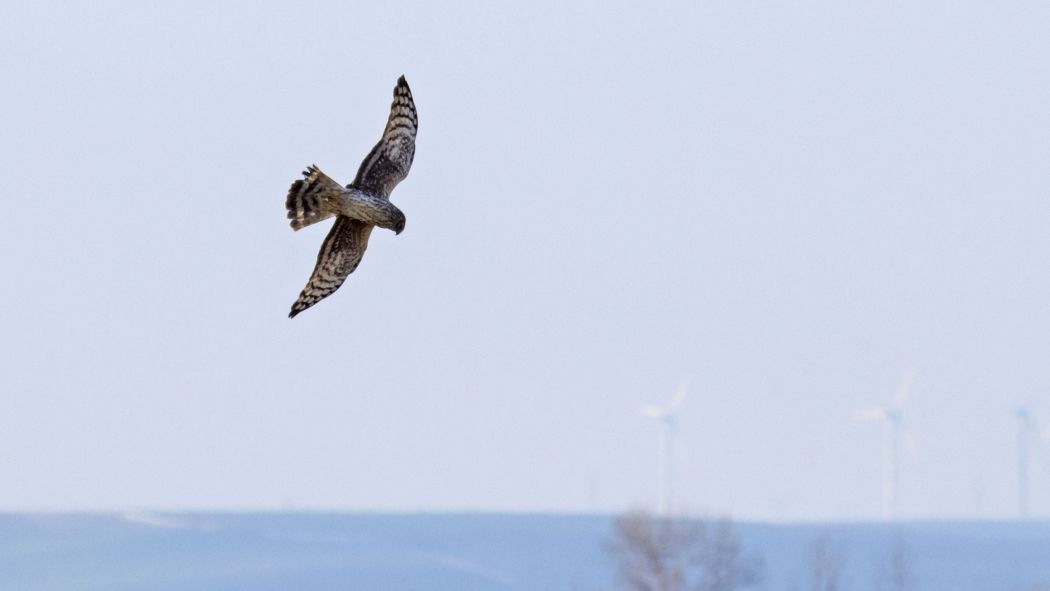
651, 410
876, 413
908, 442
679, 393
681, 451
903, 390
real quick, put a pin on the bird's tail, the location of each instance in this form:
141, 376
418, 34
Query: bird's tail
313, 198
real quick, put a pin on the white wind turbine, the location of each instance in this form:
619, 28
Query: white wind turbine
892, 417
666, 417
1025, 430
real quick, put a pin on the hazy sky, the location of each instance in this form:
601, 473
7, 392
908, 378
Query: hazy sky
792, 202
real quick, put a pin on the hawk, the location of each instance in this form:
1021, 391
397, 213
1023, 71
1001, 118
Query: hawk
358, 207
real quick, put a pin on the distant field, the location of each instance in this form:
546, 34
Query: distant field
328, 551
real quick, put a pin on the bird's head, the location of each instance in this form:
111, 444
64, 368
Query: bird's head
399, 223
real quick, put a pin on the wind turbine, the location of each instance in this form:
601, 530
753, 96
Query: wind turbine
1025, 430
892, 417
666, 416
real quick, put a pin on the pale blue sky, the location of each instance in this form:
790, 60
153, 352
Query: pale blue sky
793, 202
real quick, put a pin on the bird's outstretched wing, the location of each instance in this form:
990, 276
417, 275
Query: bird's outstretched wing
388, 162
340, 254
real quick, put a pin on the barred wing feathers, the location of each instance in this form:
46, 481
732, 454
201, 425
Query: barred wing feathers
389, 161
340, 254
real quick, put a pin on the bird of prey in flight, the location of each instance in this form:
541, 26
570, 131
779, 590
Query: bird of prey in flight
359, 206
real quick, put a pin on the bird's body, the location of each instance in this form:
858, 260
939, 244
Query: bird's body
317, 197
358, 207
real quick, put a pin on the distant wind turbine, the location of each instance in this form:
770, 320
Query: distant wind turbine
892, 417
1025, 431
666, 416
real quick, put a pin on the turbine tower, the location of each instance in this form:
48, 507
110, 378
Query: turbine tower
665, 415
892, 417
1025, 426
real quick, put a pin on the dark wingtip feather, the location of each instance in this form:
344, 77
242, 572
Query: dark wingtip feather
301, 304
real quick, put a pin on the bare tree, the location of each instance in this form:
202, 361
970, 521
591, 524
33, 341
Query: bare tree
724, 566
654, 554
675, 554
825, 564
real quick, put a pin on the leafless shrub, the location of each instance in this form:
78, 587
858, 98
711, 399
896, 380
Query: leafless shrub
678, 554
825, 565
900, 565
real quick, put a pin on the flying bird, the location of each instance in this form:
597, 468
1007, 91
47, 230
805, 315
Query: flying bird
358, 207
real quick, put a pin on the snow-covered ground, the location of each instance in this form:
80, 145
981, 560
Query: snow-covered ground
321, 551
